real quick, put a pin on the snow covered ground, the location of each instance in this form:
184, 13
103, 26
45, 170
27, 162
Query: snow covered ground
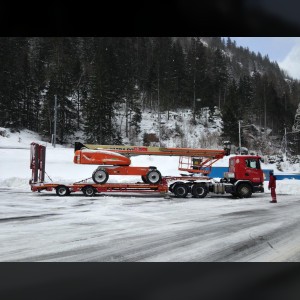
124, 227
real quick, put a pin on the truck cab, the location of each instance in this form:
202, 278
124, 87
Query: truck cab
246, 170
246, 167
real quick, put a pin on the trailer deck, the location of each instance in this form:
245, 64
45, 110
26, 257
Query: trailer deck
91, 188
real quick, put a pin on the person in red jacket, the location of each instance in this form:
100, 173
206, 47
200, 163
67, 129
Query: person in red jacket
272, 187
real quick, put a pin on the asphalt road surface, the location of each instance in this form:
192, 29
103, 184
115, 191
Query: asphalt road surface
118, 227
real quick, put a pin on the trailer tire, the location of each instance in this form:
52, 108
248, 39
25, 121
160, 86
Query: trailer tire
100, 176
244, 190
89, 191
180, 190
199, 190
153, 177
62, 190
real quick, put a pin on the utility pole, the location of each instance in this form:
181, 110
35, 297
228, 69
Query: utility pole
194, 101
194, 85
55, 118
240, 144
265, 112
159, 115
285, 142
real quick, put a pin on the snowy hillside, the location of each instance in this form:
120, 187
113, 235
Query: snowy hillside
177, 128
15, 158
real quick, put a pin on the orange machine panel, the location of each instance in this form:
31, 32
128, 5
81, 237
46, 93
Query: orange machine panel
100, 157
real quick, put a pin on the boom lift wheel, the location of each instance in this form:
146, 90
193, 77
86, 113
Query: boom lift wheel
100, 176
144, 179
153, 176
89, 191
199, 190
180, 190
62, 190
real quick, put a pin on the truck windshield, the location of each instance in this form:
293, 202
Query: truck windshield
252, 163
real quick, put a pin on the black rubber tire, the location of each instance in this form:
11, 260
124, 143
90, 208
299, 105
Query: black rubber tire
89, 191
171, 187
180, 190
144, 179
244, 190
100, 176
62, 191
199, 190
153, 177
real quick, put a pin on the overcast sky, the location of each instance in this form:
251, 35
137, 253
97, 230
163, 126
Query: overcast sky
284, 50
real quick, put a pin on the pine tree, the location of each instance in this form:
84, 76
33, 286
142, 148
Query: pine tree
220, 75
104, 93
231, 115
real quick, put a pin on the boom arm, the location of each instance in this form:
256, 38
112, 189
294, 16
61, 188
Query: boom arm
142, 150
191, 160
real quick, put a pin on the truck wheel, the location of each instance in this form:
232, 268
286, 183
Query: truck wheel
100, 176
180, 190
89, 191
171, 187
153, 177
244, 190
62, 190
199, 190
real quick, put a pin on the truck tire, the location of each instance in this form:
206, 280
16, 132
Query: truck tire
89, 191
153, 177
171, 187
244, 190
62, 190
199, 190
180, 190
100, 176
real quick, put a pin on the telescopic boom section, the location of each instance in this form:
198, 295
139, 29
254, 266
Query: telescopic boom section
142, 150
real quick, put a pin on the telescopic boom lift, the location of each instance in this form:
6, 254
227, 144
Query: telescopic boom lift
115, 160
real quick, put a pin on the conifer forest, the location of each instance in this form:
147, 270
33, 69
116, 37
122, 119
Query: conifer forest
92, 78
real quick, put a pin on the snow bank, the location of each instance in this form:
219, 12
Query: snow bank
286, 186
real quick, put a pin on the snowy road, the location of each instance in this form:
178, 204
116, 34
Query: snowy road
45, 227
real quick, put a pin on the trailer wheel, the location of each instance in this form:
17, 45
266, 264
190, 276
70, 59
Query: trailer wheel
89, 191
62, 190
244, 190
100, 176
153, 177
199, 190
180, 190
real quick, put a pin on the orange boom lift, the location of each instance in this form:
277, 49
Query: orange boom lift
114, 160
